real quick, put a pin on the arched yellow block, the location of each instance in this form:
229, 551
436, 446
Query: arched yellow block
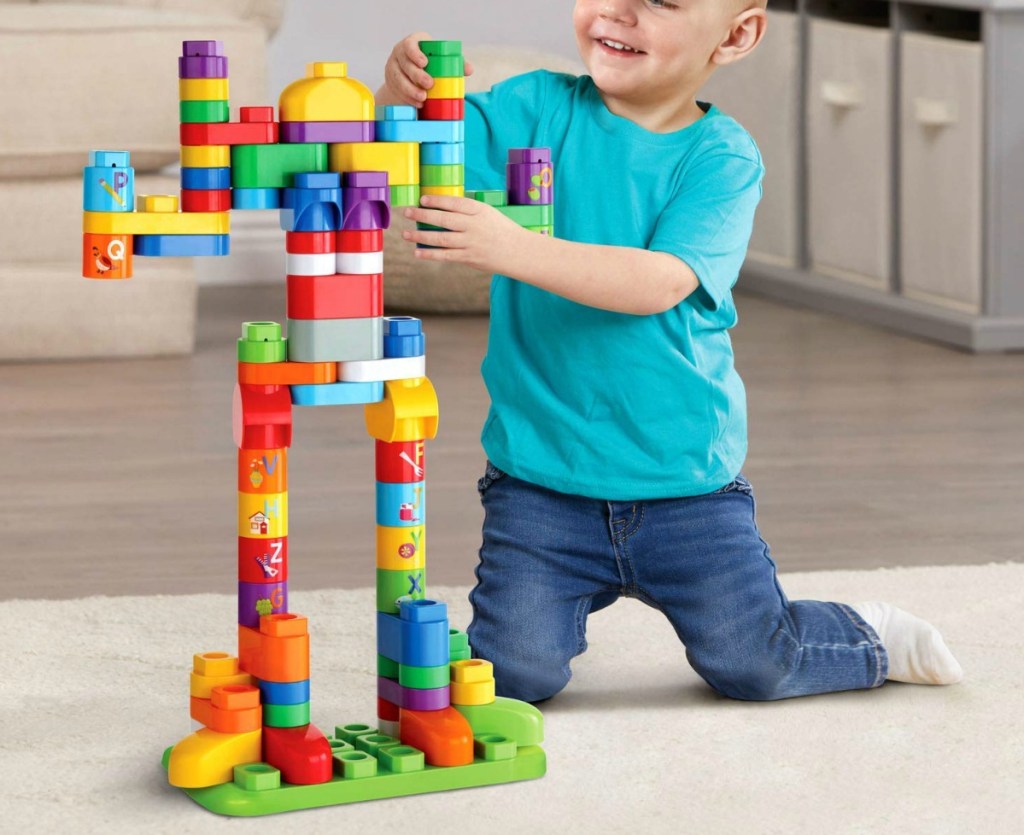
207, 758
326, 94
399, 549
408, 411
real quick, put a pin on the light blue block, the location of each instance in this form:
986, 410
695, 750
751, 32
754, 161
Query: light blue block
421, 131
401, 505
256, 198
337, 394
443, 153
108, 184
177, 246
394, 113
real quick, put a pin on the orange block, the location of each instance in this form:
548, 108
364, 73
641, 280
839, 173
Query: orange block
263, 470
225, 721
444, 736
235, 697
272, 658
106, 256
284, 625
287, 373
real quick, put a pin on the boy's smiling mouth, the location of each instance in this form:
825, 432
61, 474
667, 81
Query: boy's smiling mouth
618, 47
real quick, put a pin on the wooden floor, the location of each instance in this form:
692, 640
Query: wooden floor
867, 449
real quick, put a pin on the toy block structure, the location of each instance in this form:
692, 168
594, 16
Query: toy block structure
333, 166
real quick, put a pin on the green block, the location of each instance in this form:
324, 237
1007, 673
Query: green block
262, 342
530, 215
273, 166
509, 718
286, 716
354, 765
424, 678
204, 111
445, 66
460, 654
442, 175
372, 743
350, 733
434, 48
257, 777
492, 197
392, 585
402, 196
401, 759
339, 745
387, 667
494, 747
457, 640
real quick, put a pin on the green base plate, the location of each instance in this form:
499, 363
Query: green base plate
230, 799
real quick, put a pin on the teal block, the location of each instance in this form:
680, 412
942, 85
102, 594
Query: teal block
421, 131
337, 394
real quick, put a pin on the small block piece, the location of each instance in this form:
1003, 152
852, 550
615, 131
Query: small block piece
265, 471
474, 670
421, 130
108, 182
286, 716
372, 743
206, 178
398, 462
215, 664
256, 198
284, 625
395, 113
261, 417
205, 200
340, 745
338, 394
457, 640
309, 243
205, 156
460, 654
331, 132
392, 368
207, 758
262, 114
263, 560
359, 240
273, 659
274, 166
203, 89
423, 611
539, 215
444, 737
447, 88
283, 692
443, 191
401, 505
313, 203
392, 585
402, 196
401, 160
257, 777
255, 599
423, 678
338, 297
494, 747
302, 754
408, 412
107, 256
521, 156
403, 337
262, 515
193, 112
325, 263
430, 48
492, 197
287, 373
167, 203
201, 686
388, 668
443, 153
442, 175
401, 759
443, 109
179, 246
359, 263
445, 66
235, 697
349, 733
325, 340
472, 693
401, 548
262, 342
354, 765
242, 133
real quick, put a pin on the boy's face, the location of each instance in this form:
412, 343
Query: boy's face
671, 43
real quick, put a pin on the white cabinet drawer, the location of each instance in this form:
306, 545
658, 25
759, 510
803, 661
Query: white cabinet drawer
762, 92
941, 170
850, 153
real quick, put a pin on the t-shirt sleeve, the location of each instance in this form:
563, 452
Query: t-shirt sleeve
710, 218
504, 117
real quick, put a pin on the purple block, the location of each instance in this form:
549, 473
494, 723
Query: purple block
328, 131
520, 155
529, 183
203, 48
203, 66
249, 594
365, 179
367, 200
411, 698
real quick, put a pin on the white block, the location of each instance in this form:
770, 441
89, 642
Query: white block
300, 264
392, 368
358, 263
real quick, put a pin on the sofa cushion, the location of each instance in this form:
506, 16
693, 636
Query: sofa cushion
91, 76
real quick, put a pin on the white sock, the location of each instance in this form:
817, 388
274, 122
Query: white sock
917, 653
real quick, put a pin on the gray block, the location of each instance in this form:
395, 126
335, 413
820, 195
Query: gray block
335, 340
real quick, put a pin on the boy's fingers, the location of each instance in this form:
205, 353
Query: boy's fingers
400, 83
461, 205
446, 220
412, 48
469, 67
444, 240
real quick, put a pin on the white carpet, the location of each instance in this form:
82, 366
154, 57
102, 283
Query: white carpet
92, 691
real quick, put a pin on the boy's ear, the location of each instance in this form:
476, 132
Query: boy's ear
745, 33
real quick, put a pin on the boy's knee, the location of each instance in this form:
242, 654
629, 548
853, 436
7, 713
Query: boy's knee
760, 680
528, 684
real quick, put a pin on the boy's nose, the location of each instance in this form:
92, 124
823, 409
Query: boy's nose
617, 10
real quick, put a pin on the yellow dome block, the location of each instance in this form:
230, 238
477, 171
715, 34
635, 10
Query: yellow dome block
208, 758
408, 412
326, 94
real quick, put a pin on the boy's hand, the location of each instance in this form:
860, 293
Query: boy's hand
478, 235
404, 74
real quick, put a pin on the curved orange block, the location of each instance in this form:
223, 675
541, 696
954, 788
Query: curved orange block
444, 736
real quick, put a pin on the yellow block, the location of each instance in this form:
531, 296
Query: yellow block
399, 549
157, 223
203, 89
208, 758
205, 156
472, 692
400, 159
447, 191
156, 203
446, 88
201, 686
263, 515
326, 94
214, 664
408, 412
472, 670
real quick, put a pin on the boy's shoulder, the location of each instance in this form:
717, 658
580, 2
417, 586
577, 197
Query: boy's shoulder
723, 134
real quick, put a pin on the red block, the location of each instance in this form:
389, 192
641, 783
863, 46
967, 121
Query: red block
261, 417
447, 109
309, 243
402, 462
201, 200
335, 296
360, 240
388, 711
302, 754
257, 127
258, 559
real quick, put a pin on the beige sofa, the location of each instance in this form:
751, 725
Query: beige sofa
89, 75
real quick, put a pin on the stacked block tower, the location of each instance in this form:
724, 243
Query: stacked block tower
333, 165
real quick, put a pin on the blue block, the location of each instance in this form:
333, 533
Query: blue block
412, 643
206, 179
337, 394
405, 346
283, 693
443, 153
395, 113
256, 198
108, 184
181, 245
423, 611
317, 179
313, 203
421, 131
401, 505
403, 326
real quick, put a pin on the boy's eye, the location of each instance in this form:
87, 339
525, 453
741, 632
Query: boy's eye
661, 4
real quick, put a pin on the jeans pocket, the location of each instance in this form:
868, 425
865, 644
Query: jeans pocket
737, 485
491, 475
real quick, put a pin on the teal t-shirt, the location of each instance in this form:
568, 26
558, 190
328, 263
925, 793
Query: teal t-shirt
610, 405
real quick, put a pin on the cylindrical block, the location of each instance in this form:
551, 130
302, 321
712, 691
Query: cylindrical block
400, 461
108, 182
402, 505
391, 585
262, 560
263, 515
106, 256
262, 470
529, 183
258, 599
205, 200
399, 549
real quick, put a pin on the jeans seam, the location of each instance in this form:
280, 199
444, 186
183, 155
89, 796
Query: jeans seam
582, 610
881, 656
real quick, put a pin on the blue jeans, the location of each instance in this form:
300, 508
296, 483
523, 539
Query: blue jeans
548, 560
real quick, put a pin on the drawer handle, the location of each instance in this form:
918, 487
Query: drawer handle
840, 94
935, 113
